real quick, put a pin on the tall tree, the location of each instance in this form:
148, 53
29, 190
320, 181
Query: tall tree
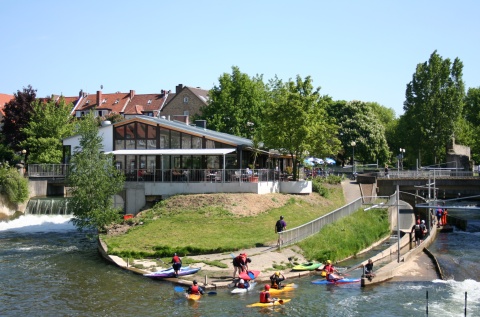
296, 122
17, 115
433, 107
359, 123
235, 102
467, 133
50, 123
94, 180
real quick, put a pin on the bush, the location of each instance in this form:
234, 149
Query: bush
13, 185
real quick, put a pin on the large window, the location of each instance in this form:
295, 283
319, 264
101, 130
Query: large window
175, 140
164, 138
186, 141
130, 131
196, 142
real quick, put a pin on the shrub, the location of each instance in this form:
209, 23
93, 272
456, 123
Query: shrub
13, 185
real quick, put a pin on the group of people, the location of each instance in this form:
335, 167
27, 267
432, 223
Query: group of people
441, 214
275, 282
420, 230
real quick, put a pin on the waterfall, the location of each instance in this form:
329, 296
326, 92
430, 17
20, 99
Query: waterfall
47, 206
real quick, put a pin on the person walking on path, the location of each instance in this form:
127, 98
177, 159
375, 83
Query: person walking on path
176, 264
386, 171
280, 226
417, 228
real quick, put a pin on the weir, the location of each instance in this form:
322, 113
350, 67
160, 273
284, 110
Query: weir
47, 206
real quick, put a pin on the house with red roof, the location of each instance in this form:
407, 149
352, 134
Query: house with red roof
4, 99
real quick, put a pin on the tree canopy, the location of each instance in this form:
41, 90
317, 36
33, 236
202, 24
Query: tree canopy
93, 179
296, 122
359, 123
17, 115
433, 107
50, 122
235, 104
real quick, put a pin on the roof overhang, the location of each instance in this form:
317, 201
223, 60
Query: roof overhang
173, 152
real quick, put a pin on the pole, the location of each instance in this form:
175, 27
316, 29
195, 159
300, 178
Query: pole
465, 304
427, 304
398, 223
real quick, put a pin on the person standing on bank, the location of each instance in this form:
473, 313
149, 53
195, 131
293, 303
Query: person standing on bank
280, 226
176, 264
386, 171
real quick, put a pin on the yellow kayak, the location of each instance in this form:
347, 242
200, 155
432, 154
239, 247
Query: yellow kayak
193, 296
275, 303
285, 288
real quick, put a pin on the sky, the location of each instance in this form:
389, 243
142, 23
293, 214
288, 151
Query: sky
353, 50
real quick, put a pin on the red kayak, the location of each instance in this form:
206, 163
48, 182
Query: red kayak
250, 275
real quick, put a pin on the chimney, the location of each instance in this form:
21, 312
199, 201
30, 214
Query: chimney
178, 88
132, 93
99, 98
201, 123
80, 94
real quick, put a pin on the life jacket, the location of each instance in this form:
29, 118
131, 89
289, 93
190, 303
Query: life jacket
176, 259
439, 212
263, 297
194, 289
241, 285
328, 268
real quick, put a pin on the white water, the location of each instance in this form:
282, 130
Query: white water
42, 223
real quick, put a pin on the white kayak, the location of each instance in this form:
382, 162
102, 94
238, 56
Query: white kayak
237, 290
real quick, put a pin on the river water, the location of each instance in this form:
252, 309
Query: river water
50, 269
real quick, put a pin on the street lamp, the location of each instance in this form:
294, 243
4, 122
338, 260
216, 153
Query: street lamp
402, 153
353, 143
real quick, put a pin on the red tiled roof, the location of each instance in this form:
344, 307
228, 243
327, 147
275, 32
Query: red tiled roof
4, 98
115, 102
146, 103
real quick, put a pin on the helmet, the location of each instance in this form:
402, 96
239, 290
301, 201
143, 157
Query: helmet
267, 287
329, 262
423, 221
249, 260
277, 273
242, 281
194, 282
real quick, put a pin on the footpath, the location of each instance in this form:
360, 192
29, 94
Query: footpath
266, 259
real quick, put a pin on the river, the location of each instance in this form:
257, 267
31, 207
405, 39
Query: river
48, 268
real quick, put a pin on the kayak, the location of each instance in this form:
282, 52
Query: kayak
184, 270
278, 302
194, 297
237, 290
342, 281
285, 288
309, 266
250, 275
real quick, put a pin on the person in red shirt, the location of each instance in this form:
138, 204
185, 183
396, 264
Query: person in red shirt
240, 263
265, 295
195, 289
176, 264
331, 273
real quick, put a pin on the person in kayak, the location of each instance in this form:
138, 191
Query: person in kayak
176, 264
276, 279
195, 289
240, 264
265, 295
242, 284
331, 272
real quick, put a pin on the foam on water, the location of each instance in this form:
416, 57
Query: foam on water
34, 223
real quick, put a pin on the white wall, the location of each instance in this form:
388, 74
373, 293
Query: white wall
105, 132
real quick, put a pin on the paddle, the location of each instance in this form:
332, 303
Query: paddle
179, 289
212, 293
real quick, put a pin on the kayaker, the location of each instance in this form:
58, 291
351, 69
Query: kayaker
176, 264
276, 279
240, 263
331, 273
195, 289
265, 295
242, 284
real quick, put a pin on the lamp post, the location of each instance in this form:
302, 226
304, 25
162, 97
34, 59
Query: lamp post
402, 153
353, 143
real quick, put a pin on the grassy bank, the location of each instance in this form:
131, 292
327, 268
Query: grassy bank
347, 236
202, 229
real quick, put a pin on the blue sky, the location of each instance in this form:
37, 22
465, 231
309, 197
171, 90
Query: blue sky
353, 50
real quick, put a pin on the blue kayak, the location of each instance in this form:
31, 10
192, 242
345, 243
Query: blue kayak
342, 281
184, 270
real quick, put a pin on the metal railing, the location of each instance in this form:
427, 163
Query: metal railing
444, 173
171, 175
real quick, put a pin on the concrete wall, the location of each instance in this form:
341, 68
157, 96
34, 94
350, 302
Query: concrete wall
298, 187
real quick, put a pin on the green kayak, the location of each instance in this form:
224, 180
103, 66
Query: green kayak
309, 266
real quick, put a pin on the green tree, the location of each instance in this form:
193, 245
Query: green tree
469, 128
359, 123
49, 124
94, 180
433, 107
12, 184
17, 116
237, 100
296, 122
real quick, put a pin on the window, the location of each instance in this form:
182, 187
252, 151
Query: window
164, 138
186, 113
185, 99
186, 141
175, 140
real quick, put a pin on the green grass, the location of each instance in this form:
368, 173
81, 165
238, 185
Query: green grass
207, 229
347, 236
